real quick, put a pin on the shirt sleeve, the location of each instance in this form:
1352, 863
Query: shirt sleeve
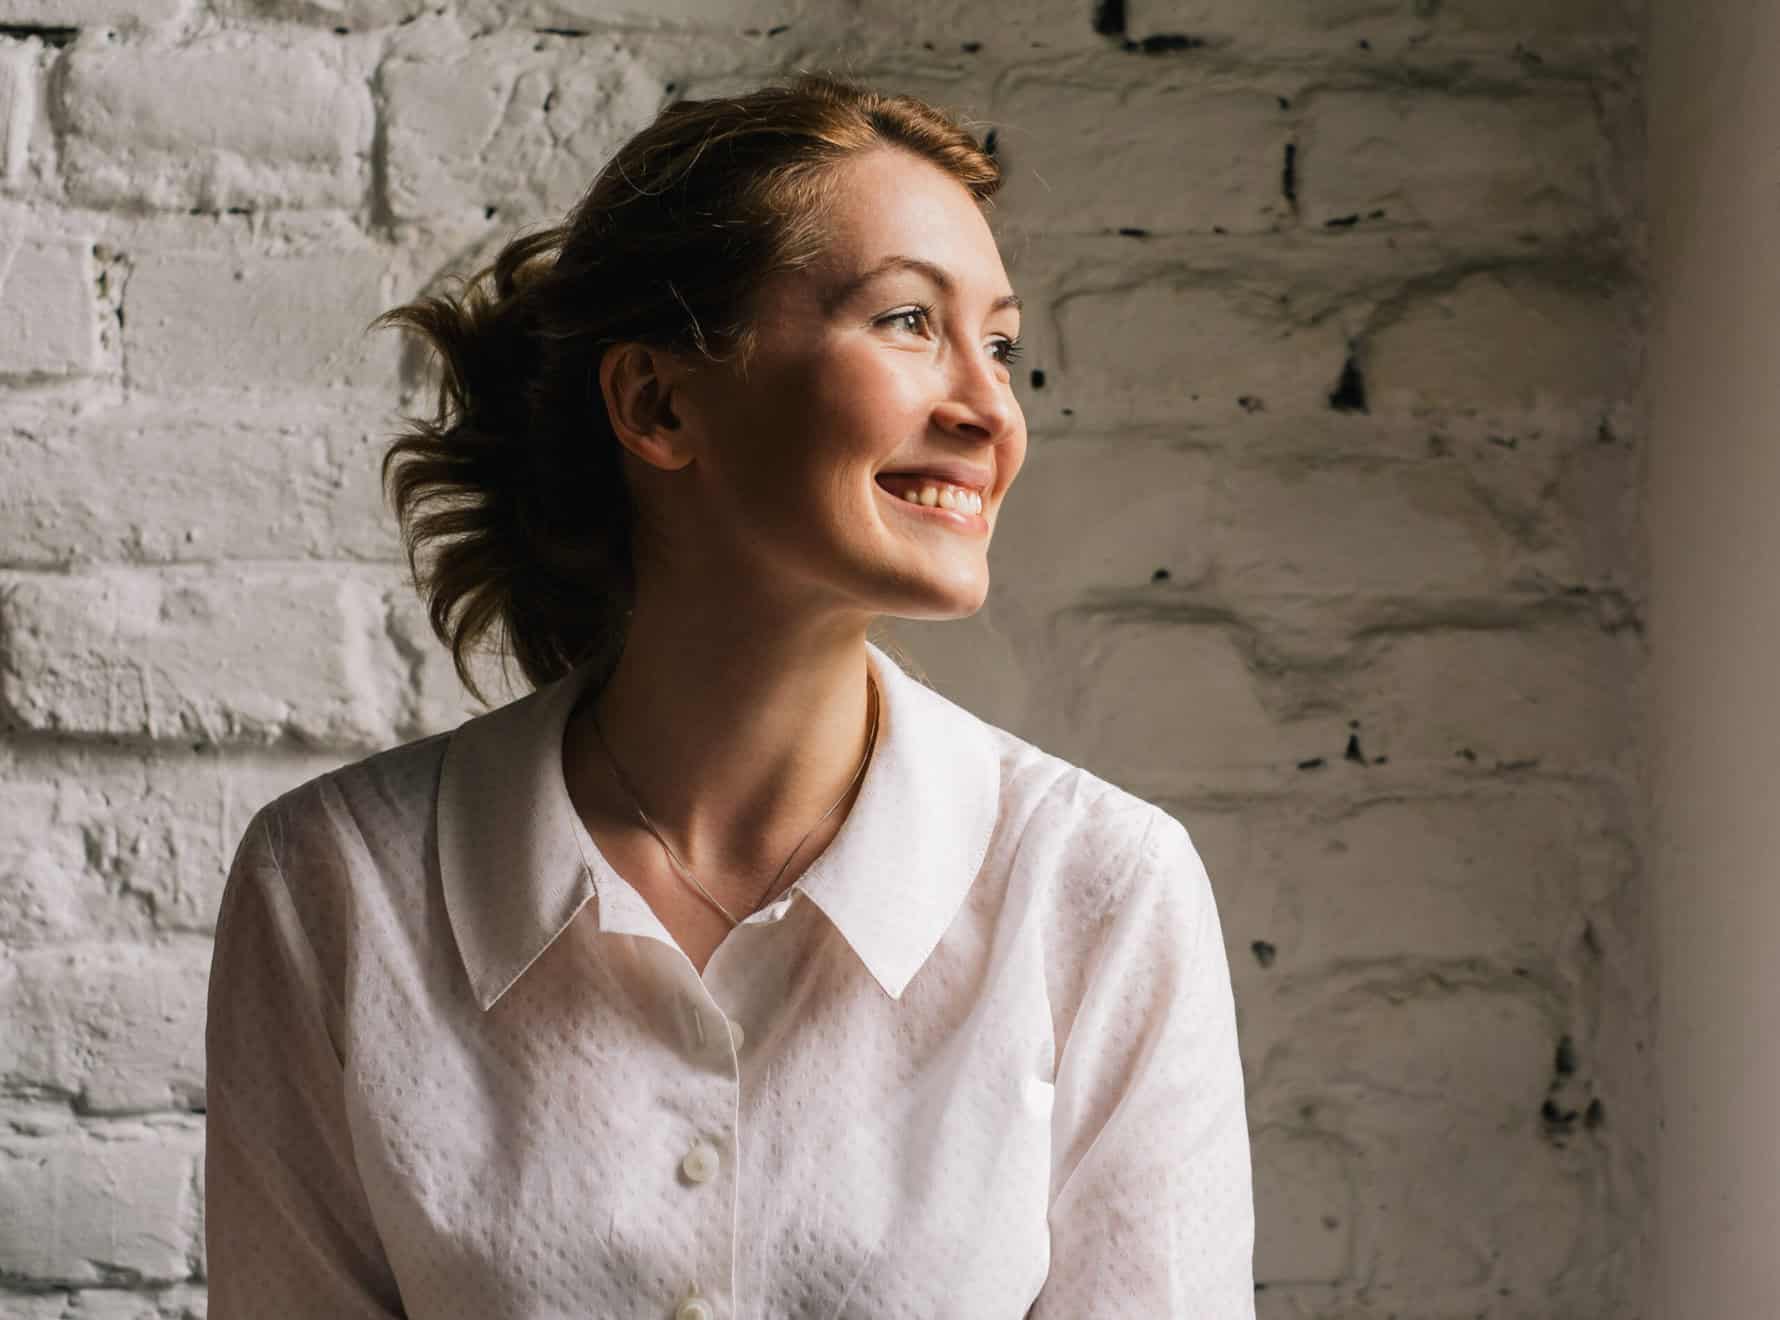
1152, 1209
287, 1231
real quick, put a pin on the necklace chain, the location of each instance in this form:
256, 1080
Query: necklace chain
624, 779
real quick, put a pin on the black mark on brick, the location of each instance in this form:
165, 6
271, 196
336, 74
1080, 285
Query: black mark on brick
1565, 1062
1162, 42
1350, 392
48, 35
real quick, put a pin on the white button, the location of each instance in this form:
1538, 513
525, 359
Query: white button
735, 1033
694, 1308
700, 1163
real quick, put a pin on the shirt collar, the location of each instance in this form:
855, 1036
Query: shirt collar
516, 864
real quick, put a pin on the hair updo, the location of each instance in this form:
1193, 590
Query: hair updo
514, 487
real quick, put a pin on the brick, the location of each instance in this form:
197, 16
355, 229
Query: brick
1131, 506
233, 655
244, 322
49, 320
1436, 1081
46, 893
170, 842
354, 14
18, 108
229, 121
1505, 344
701, 17
1535, 19
122, 14
1552, 695
147, 483
84, 1210
118, 1027
1288, 524
1163, 154
1502, 877
1481, 1045
1151, 701
1173, 346
1252, 20
98, 843
1388, 25
1332, 527
1304, 1208
1522, 164
179, 1302
507, 125
1167, 695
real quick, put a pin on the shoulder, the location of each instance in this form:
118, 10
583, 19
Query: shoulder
376, 811
1096, 843
336, 854
393, 785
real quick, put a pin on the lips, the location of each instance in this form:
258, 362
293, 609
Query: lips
944, 472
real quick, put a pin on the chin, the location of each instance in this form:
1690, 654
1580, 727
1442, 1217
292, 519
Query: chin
960, 603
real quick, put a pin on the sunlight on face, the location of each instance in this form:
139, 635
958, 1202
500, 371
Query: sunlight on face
891, 354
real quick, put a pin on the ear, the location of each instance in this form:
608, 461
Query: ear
638, 384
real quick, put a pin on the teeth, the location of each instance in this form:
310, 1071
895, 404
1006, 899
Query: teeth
946, 497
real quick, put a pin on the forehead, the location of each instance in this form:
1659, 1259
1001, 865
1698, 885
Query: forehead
890, 202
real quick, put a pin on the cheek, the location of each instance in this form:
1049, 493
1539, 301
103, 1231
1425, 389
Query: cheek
868, 394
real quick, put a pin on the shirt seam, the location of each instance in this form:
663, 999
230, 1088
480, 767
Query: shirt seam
1145, 862
311, 969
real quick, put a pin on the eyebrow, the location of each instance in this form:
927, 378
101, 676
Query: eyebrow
935, 273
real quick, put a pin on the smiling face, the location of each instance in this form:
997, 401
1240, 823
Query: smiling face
890, 354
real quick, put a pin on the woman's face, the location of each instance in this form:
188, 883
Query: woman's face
889, 355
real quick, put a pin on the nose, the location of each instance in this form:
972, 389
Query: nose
978, 404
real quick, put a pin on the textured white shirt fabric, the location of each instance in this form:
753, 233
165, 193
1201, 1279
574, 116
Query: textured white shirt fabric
980, 1060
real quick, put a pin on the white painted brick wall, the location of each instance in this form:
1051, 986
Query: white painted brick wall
1329, 541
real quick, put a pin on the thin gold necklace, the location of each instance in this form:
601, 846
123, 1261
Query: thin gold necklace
870, 745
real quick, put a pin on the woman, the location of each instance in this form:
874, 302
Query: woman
733, 971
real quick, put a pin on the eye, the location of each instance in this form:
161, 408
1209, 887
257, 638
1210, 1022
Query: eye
1010, 349
921, 312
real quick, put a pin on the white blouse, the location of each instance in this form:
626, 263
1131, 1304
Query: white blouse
980, 1060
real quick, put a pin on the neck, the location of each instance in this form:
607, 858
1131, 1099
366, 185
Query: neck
735, 739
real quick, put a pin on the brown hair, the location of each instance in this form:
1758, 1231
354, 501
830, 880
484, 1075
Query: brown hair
515, 485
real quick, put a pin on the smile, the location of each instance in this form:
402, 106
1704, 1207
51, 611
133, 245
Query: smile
963, 514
